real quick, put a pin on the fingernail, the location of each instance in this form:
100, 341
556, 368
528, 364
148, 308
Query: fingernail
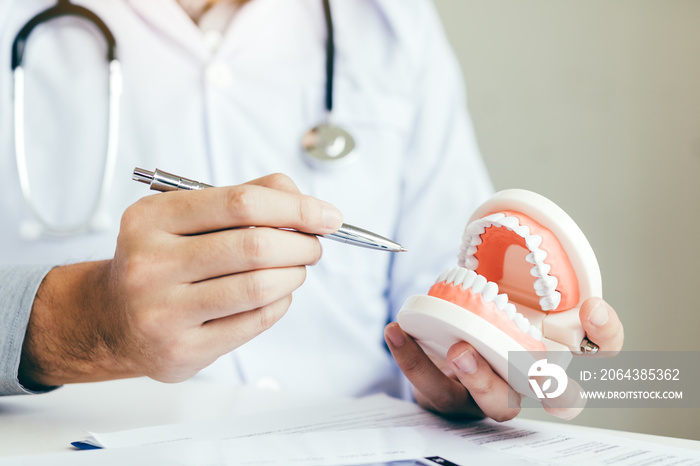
599, 314
465, 362
332, 218
395, 336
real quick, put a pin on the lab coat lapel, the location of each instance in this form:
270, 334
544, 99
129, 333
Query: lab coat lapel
169, 18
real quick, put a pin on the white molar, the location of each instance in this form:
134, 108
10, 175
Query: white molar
540, 270
545, 285
471, 263
458, 276
548, 303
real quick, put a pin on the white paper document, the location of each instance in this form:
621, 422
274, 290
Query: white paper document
457, 442
347, 448
368, 431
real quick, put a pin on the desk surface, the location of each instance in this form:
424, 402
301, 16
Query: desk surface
48, 423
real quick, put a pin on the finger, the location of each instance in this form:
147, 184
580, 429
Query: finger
602, 325
223, 335
233, 294
232, 251
490, 392
194, 212
277, 181
568, 405
435, 389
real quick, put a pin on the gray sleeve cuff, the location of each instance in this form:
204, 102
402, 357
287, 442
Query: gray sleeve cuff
18, 287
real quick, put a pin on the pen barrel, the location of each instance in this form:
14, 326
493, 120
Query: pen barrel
164, 181
356, 236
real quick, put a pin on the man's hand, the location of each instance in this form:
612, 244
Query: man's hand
466, 386
189, 282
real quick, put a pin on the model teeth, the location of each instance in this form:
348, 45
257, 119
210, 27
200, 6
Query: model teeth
522, 322
510, 310
469, 279
545, 285
510, 222
470, 263
535, 333
533, 242
490, 292
479, 283
451, 275
540, 270
500, 301
536, 257
551, 302
522, 230
458, 276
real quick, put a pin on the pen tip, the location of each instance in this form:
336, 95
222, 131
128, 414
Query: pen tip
403, 250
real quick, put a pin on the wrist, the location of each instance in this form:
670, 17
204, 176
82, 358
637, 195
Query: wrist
69, 338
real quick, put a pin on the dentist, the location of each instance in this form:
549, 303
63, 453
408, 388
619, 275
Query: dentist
174, 284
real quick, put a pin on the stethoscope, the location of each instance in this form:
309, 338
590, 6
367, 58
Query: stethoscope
326, 145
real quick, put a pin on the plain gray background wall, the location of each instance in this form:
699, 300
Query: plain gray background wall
596, 105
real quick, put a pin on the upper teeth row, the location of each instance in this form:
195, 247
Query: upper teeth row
545, 285
489, 292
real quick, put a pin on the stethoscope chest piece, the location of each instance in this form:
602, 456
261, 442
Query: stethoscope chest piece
327, 145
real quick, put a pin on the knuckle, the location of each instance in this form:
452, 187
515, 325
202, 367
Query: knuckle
256, 289
242, 201
413, 368
308, 211
301, 275
135, 273
481, 386
270, 315
283, 182
133, 216
316, 251
257, 244
444, 402
147, 324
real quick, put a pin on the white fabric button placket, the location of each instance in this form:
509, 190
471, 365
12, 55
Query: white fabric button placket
219, 75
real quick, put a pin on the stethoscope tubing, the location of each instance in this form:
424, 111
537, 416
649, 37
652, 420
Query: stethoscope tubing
64, 8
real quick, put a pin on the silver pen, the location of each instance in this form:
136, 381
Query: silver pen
159, 180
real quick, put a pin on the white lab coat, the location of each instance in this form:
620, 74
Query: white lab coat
238, 113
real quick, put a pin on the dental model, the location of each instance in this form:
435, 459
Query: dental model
524, 270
